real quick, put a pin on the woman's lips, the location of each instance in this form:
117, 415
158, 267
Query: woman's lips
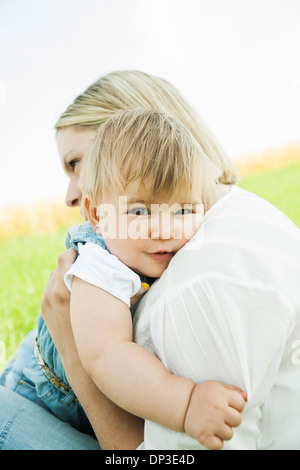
161, 255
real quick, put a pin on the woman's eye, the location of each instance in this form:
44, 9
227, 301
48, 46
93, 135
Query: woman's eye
138, 211
73, 163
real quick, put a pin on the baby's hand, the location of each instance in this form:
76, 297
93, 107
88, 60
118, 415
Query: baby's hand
214, 409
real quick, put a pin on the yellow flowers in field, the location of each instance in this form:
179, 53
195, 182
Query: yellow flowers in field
274, 157
41, 217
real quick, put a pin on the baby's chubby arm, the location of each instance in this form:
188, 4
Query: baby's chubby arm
137, 381
102, 290
127, 373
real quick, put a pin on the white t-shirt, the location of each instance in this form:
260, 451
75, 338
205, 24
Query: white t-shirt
228, 308
98, 267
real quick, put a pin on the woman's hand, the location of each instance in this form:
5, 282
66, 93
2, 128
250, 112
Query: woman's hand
114, 428
56, 306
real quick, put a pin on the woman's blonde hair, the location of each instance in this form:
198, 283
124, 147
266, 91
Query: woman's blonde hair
153, 149
130, 88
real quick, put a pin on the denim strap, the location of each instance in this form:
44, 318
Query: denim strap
65, 389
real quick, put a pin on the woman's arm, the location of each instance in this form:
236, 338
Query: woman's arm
114, 428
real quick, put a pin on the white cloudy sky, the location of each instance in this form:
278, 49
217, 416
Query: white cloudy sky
237, 61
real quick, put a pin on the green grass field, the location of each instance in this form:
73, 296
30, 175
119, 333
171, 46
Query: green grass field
280, 186
26, 262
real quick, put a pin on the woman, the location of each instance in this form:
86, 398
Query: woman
227, 308
75, 131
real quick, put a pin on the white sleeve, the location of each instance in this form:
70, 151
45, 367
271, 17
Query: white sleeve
96, 266
228, 308
237, 337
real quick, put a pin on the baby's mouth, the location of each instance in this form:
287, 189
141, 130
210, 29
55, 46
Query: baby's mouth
162, 255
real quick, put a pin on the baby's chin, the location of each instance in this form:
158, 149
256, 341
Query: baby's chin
152, 271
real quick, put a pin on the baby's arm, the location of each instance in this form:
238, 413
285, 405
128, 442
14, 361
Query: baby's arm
137, 381
127, 373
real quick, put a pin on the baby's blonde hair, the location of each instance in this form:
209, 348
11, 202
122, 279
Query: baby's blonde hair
151, 148
130, 89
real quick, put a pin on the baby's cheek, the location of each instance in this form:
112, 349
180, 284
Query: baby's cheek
191, 228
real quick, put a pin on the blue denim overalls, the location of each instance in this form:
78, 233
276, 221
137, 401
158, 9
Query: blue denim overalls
36, 371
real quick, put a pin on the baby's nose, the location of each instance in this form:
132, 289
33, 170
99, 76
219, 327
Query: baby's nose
162, 226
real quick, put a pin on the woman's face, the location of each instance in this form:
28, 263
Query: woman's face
73, 143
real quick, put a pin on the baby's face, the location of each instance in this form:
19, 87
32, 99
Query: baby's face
146, 237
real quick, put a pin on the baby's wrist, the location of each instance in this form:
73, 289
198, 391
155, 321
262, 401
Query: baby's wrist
193, 386
186, 391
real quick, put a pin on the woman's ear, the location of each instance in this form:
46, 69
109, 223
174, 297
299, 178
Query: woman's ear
91, 211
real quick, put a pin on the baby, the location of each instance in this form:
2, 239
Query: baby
148, 186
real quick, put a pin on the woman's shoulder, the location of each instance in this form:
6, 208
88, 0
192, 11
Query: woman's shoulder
241, 213
243, 237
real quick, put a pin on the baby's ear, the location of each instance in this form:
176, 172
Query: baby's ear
91, 211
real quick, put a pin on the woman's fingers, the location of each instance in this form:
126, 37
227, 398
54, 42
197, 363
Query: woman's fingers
56, 292
66, 259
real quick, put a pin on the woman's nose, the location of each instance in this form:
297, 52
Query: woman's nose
73, 195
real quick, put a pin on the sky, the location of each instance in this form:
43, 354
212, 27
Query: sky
236, 61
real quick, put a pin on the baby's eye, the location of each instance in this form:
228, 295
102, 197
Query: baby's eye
184, 211
138, 211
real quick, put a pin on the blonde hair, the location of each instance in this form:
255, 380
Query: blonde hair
130, 88
151, 148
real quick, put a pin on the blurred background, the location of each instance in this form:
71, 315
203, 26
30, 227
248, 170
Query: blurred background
236, 61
